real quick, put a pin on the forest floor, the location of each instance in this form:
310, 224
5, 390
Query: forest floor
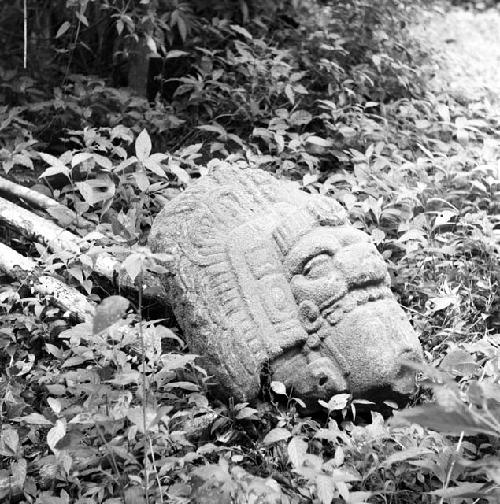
468, 43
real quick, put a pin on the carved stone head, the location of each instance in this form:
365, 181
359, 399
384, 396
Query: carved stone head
270, 277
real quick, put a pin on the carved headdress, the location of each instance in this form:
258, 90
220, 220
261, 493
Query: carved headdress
231, 231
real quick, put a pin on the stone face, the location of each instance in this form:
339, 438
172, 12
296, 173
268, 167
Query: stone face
268, 278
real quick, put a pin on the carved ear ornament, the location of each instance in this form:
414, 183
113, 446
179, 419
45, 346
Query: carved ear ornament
310, 316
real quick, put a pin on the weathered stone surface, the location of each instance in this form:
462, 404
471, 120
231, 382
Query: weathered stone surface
270, 277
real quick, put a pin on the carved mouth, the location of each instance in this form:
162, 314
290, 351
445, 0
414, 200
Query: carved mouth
334, 309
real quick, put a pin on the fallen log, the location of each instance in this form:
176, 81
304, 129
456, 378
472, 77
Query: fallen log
43, 202
26, 270
60, 240
33, 226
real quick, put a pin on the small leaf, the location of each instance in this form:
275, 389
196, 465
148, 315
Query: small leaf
56, 434
97, 190
337, 402
321, 142
19, 471
35, 419
176, 54
309, 178
406, 454
444, 112
153, 166
297, 448
179, 172
23, 160
465, 490
56, 166
275, 435
110, 311
142, 180
300, 117
172, 361
135, 415
278, 388
441, 419
289, 93
143, 145
80, 157
55, 405
246, 413
9, 442
239, 29
133, 265
63, 29
64, 216
325, 487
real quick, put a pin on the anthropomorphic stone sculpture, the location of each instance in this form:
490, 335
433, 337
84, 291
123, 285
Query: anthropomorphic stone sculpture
268, 278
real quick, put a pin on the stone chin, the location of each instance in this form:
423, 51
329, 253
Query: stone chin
363, 353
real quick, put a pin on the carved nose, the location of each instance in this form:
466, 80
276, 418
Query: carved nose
362, 265
405, 379
327, 375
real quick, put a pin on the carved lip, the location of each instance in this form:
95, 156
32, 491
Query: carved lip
334, 309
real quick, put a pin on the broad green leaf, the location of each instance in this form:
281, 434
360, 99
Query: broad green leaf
23, 160
55, 405
56, 434
465, 490
278, 388
406, 454
80, 157
191, 387
441, 419
96, 190
154, 166
247, 413
64, 216
214, 128
337, 402
135, 415
179, 172
239, 29
176, 54
172, 361
290, 93
56, 166
321, 142
444, 112
19, 471
143, 145
458, 361
297, 448
142, 180
133, 265
110, 311
63, 29
309, 178
34, 419
300, 117
9, 442
103, 161
275, 435
325, 487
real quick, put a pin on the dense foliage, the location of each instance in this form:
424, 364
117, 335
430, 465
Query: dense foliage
344, 97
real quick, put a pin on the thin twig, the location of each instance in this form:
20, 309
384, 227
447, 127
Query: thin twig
25, 23
156, 472
452, 465
144, 401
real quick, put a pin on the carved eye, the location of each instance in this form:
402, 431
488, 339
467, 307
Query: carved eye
317, 266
